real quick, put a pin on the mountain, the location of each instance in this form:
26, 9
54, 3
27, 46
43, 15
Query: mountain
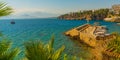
25, 15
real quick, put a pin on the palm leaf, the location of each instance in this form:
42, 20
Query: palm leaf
5, 52
65, 57
4, 46
11, 55
50, 45
57, 54
35, 50
4, 9
74, 58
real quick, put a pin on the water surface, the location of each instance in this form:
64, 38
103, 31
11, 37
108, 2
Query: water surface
42, 29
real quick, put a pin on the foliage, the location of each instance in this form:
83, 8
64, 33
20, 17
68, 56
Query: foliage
88, 14
35, 50
114, 46
4, 9
70, 58
6, 53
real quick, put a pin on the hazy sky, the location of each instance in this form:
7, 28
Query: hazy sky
57, 7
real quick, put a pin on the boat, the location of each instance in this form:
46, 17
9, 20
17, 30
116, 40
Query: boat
12, 22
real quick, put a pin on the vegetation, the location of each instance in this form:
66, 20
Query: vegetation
99, 14
88, 14
4, 9
6, 53
114, 46
35, 50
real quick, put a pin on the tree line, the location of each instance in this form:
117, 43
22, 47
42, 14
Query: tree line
98, 14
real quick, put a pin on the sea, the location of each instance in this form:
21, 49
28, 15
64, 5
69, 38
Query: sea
42, 29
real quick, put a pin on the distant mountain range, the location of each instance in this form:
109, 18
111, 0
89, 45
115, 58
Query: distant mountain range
25, 15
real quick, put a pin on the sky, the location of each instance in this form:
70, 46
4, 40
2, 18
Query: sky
53, 8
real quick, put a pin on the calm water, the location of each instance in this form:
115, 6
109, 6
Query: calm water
42, 29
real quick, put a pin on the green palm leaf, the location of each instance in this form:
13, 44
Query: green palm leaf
4, 9
35, 50
4, 46
10, 55
50, 45
57, 54
5, 52
65, 57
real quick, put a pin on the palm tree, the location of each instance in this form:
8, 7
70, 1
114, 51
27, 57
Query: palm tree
35, 50
4, 9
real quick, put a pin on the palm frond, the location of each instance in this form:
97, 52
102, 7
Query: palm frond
65, 57
35, 50
50, 45
10, 55
6, 53
4, 46
57, 54
4, 9
114, 46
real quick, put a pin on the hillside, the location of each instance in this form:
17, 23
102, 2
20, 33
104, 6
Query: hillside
98, 14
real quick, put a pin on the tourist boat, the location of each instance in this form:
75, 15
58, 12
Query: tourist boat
12, 22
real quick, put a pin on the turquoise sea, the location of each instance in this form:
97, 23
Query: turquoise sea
42, 29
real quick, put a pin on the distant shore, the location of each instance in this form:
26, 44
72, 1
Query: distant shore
107, 14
